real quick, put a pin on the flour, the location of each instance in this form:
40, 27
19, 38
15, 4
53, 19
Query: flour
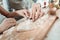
29, 25
25, 26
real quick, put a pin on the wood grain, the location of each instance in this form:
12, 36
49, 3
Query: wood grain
43, 26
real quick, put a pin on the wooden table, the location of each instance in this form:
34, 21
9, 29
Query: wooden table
42, 25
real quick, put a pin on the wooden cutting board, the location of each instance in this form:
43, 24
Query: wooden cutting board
38, 32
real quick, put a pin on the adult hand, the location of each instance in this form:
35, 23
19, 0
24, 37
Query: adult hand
24, 13
7, 23
36, 11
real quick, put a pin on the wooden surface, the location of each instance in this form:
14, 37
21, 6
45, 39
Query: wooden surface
39, 31
48, 24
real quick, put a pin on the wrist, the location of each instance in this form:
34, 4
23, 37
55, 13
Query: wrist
13, 14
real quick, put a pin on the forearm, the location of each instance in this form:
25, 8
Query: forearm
7, 14
3, 11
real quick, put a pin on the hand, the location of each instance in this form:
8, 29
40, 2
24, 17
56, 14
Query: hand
7, 23
36, 12
24, 13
